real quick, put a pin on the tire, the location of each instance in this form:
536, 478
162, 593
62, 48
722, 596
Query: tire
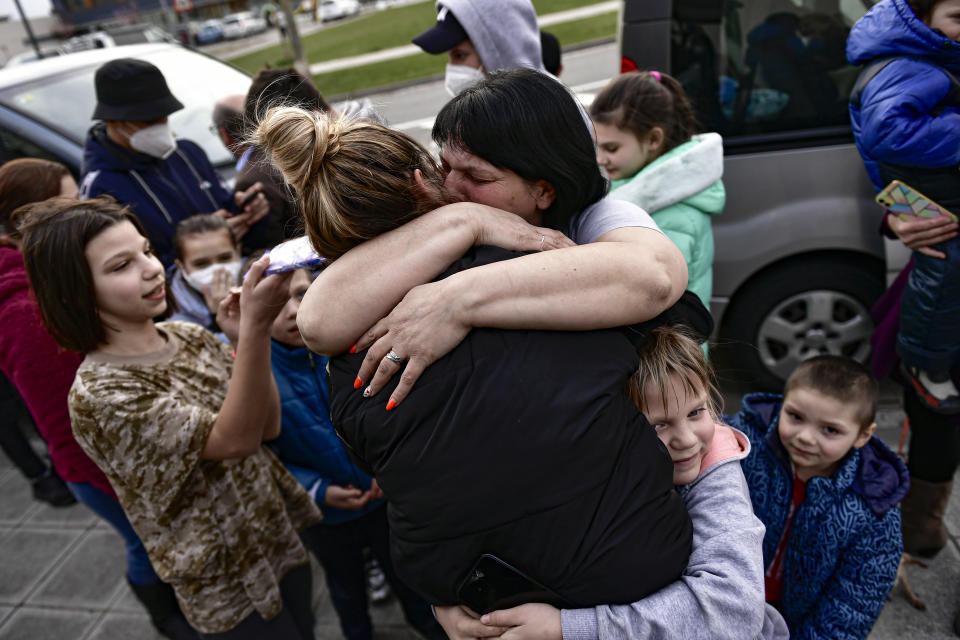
798, 310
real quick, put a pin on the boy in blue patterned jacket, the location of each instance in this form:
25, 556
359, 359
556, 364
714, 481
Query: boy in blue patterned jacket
827, 491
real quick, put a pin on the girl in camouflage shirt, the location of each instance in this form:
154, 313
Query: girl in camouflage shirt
176, 423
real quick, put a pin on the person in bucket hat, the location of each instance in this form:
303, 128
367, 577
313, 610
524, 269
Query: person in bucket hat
133, 155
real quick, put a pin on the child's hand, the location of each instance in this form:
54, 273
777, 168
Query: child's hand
262, 298
218, 289
228, 315
462, 623
346, 497
527, 622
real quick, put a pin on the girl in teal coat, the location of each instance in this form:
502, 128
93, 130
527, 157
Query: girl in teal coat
645, 142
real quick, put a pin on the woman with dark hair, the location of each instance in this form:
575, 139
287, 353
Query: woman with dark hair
42, 374
516, 142
572, 481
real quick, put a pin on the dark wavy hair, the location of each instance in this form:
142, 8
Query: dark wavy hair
531, 124
55, 237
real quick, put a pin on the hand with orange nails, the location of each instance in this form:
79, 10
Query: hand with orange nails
425, 326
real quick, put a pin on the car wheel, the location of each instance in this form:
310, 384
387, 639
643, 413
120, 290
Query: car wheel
799, 310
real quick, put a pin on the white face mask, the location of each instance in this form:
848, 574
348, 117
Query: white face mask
202, 278
460, 77
155, 140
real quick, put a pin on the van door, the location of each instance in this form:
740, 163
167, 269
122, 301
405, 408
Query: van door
798, 260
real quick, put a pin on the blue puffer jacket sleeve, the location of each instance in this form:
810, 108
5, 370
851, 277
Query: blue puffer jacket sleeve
898, 123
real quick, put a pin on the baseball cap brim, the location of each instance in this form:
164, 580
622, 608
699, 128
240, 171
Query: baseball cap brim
443, 36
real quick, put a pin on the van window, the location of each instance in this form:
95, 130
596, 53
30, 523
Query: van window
765, 66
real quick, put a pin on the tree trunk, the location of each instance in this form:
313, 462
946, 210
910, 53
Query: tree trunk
293, 35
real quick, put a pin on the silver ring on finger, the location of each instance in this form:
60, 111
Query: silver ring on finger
392, 356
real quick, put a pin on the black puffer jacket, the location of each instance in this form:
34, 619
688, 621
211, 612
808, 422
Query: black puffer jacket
522, 444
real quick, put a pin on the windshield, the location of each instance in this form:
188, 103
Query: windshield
196, 80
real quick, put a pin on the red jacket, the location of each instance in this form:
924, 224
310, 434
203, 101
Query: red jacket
41, 371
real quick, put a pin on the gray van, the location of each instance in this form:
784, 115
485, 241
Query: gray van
798, 261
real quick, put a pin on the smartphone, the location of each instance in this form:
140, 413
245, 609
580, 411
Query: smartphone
493, 584
907, 203
292, 254
249, 198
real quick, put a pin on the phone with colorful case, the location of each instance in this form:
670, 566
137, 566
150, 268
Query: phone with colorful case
906, 202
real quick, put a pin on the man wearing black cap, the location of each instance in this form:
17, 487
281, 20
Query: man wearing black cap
133, 156
482, 36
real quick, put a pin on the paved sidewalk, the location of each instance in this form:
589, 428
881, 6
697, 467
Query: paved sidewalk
61, 576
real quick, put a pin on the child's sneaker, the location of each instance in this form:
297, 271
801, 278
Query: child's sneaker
935, 388
376, 582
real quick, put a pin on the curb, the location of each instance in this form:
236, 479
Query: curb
362, 93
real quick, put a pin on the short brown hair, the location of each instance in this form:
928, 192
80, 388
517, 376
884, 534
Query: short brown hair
24, 181
55, 237
672, 351
197, 224
281, 88
840, 378
353, 178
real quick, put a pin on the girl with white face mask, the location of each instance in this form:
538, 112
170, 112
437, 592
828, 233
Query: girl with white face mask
206, 268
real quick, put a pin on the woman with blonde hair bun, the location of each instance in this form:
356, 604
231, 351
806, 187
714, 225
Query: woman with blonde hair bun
517, 143
567, 506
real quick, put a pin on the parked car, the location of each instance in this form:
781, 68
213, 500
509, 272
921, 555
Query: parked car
241, 25
45, 106
209, 32
798, 259
337, 9
30, 56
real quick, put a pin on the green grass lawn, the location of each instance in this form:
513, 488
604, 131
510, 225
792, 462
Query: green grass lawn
373, 32
421, 65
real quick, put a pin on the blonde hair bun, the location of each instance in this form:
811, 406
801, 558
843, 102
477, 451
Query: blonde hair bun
298, 142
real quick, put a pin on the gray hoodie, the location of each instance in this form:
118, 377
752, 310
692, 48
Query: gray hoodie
504, 32
721, 592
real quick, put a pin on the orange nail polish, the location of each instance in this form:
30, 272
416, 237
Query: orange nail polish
391, 404
357, 383
353, 349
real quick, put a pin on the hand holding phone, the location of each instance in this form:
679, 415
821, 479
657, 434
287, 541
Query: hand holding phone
250, 198
907, 203
492, 584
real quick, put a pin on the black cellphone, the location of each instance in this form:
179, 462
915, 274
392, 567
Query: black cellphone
249, 199
493, 584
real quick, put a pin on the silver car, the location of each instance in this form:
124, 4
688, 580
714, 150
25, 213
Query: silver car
798, 261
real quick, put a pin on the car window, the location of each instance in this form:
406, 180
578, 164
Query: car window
12, 145
196, 80
765, 66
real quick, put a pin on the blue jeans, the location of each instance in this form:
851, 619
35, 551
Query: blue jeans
139, 570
